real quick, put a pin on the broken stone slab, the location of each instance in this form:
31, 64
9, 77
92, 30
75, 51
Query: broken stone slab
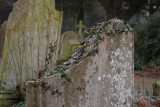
32, 26
102, 79
89, 45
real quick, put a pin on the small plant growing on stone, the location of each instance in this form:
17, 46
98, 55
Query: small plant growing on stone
107, 23
85, 34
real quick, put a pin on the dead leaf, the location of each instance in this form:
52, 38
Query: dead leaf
141, 103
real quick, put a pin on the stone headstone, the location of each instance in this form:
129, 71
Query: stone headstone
103, 78
2, 37
80, 27
69, 40
33, 26
156, 89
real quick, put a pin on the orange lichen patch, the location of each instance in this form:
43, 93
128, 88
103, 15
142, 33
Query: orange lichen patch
141, 103
20, 93
41, 74
157, 104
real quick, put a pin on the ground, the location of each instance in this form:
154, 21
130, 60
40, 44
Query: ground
146, 77
149, 79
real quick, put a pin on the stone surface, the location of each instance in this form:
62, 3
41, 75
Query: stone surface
2, 37
7, 98
103, 78
32, 26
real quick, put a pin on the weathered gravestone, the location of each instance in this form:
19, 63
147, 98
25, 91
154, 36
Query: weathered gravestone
33, 26
2, 37
80, 30
69, 40
103, 75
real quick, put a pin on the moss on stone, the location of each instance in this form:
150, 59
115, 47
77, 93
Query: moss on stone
68, 49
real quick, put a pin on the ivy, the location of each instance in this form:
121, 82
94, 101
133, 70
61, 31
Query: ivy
147, 45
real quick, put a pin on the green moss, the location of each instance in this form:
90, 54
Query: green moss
5, 60
60, 62
156, 89
36, 16
68, 50
85, 34
84, 47
98, 37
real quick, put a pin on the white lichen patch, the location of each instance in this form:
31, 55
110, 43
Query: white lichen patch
121, 65
99, 78
114, 78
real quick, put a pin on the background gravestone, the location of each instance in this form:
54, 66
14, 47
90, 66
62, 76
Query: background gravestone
104, 78
32, 26
69, 40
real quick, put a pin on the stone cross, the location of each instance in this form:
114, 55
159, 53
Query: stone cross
80, 28
68, 40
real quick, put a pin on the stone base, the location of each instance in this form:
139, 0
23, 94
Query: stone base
7, 98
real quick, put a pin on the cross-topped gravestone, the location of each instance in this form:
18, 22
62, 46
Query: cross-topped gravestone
69, 40
80, 27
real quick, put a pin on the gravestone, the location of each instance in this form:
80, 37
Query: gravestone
156, 89
102, 77
80, 31
69, 40
2, 37
33, 27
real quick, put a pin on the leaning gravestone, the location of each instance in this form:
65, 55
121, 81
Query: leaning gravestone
99, 74
69, 40
32, 29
